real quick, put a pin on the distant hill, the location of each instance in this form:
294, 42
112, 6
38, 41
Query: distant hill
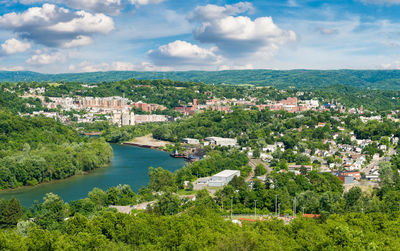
303, 79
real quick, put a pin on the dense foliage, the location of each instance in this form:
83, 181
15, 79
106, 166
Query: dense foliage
379, 79
198, 227
35, 150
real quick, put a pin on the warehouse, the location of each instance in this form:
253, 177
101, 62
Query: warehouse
223, 178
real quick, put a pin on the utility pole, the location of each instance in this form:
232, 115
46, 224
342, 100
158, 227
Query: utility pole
222, 201
276, 205
303, 211
231, 206
255, 208
294, 206
279, 209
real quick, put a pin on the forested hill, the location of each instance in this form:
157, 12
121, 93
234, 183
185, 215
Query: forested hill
307, 79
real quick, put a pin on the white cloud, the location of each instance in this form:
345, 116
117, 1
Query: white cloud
12, 46
212, 12
54, 26
236, 67
145, 2
79, 41
85, 22
328, 31
292, 3
111, 7
86, 66
12, 68
392, 66
183, 53
238, 35
388, 2
45, 59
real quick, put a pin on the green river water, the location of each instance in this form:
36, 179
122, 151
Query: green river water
129, 166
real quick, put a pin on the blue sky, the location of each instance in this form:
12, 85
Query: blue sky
161, 35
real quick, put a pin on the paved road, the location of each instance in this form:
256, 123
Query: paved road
367, 169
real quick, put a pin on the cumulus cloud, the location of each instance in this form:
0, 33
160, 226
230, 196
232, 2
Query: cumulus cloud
86, 66
184, 53
111, 7
212, 12
54, 26
78, 42
12, 46
388, 2
237, 35
145, 2
46, 59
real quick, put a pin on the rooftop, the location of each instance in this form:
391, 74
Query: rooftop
226, 173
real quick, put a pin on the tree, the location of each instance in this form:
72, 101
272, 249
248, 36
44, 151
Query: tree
51, 212
256, 153
167, 204
259, 170
161, 179
10, 212
385, 174
352, 196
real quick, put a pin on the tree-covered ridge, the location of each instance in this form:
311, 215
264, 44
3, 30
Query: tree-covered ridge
37, 149
174, 93
10, 101
376, 79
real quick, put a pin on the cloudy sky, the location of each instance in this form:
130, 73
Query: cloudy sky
99, 35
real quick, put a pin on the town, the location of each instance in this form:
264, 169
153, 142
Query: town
344, 155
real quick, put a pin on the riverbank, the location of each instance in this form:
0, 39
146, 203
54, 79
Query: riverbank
129, 166
148, 142
50, 182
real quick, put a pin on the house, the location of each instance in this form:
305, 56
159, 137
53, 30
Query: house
270, 148
355, 175
222, 178
280, 145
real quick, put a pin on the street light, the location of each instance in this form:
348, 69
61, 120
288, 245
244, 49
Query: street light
255, 208
294, 206
279, 209
231, 205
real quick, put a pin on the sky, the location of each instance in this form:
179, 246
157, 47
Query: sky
63, 36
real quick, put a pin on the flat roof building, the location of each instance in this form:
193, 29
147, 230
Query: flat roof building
222, 178
221, 141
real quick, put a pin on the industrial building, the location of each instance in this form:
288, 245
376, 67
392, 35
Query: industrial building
220, 141
190, 141
222, 178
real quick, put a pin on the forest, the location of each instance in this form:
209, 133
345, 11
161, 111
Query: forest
352, 220
175, 93
38, 149
304, 79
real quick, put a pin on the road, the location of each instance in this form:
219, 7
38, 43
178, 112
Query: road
367, 169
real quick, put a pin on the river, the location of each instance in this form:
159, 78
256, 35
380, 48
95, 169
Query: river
129, 166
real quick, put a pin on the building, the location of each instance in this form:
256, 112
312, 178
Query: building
123, 117
220, 141
190, 141
152, 118
222, 178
